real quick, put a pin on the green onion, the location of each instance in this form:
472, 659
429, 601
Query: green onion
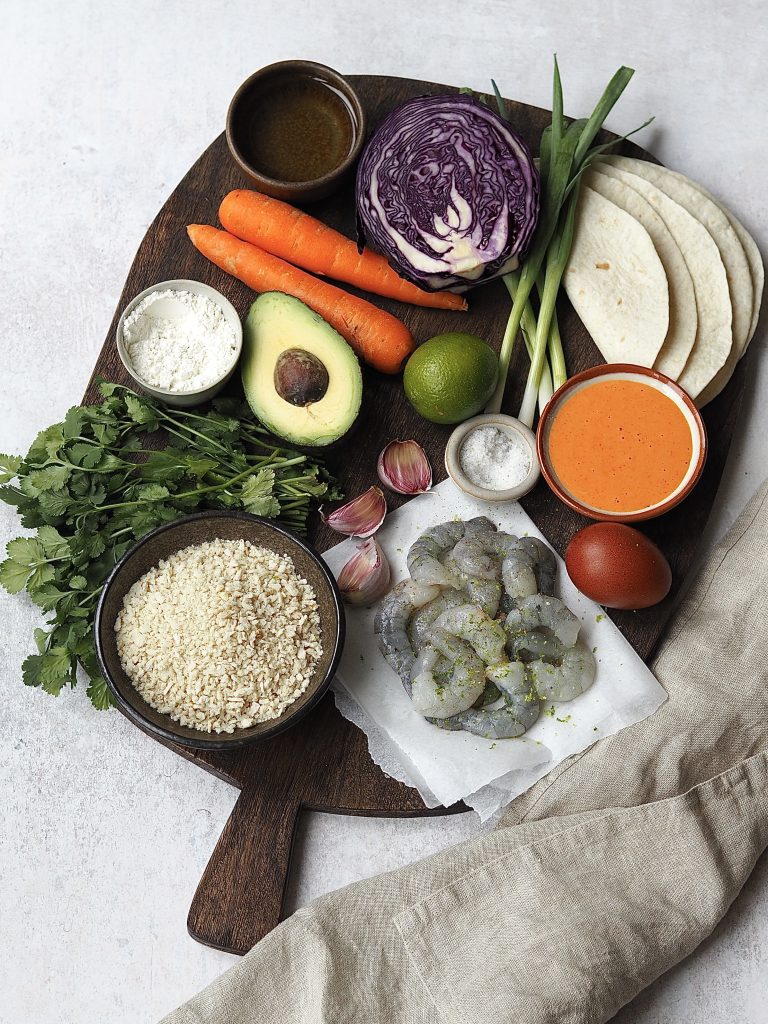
557, 259
528, 330
565, 152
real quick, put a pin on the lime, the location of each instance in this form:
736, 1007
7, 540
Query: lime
450, 377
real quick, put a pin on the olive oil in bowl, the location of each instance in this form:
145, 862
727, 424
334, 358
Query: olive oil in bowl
296, 129
300, 130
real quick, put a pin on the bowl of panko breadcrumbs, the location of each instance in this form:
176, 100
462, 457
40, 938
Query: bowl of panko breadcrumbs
219, 629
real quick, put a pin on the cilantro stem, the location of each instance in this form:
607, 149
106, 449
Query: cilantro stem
175, 497
197, 433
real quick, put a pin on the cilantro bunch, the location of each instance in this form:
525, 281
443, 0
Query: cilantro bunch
93, 484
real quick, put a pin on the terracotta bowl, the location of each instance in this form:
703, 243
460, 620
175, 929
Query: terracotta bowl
241, 115
626, 371
196, 529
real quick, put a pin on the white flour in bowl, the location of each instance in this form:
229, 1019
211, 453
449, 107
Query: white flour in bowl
179, 340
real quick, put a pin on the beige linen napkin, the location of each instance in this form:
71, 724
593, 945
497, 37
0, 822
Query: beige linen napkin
604, 875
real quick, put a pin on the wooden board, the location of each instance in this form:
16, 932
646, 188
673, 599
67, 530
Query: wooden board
323, 762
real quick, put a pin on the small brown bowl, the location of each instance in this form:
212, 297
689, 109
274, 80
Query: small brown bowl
247, 112
196, 529
667, 386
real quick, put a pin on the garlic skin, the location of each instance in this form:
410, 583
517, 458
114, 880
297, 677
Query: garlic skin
360, 517
366, 576
403, 467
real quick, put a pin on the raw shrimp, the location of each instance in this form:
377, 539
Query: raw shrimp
423, 559
539, 611
535, 644
471, 529
486, 594
476, 560
546, 564
520, 710
520, 698
422, 620
391, 624
469, 622
480, 554
446, 658
477, 525
573, 675
518, 573
498, 724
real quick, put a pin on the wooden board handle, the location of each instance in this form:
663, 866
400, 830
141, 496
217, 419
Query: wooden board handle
240, 896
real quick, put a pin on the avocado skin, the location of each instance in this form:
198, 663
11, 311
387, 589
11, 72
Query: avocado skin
276, 323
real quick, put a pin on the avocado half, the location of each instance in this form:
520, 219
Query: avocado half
300, 377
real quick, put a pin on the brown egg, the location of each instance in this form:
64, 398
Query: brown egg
617, 566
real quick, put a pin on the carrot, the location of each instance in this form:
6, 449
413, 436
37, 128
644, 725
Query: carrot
306, 242
376, 336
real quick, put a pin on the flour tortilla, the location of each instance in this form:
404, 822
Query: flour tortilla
714, 336
754, 259
757, 272
683, 319
616, 282
700, 206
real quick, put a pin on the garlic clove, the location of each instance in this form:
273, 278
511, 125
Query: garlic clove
360, 517
365, 577
403, 466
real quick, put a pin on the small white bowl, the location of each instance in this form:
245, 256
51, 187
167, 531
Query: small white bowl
453, 461
183, 399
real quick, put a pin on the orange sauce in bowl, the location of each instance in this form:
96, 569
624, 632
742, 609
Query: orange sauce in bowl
619, 445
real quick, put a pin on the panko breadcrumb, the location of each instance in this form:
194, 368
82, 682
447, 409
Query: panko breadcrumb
220, 635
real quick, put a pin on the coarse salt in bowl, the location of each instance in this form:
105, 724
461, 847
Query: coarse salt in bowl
493, 457
180, 341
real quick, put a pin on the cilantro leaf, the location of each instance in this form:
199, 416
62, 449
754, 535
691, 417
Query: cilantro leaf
165, 466
86, 455
9, 467
53, 544
47, 596
52, 670
25, 550
98, 691
12, 495
40, 575
54, 504
31, 668
49, 478
74, 421
13, 575
199, 467
140, 411
256, 494
147, 492
46, 445
85, 546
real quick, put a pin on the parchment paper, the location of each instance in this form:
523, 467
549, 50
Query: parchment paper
449, 766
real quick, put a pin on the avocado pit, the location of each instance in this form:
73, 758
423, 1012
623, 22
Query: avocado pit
300, 377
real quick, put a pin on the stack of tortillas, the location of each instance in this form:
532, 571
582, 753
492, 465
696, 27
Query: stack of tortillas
662, 275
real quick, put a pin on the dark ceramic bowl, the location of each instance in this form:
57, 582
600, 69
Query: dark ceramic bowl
196, 529
243, 120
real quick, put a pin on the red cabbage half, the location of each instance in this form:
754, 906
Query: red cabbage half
448, 192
